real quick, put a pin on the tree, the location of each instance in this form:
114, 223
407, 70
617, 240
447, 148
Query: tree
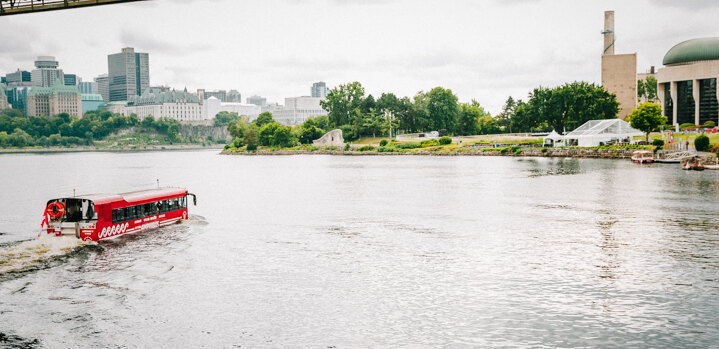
283, 137
264, 119
224, 118
647, 117
267, 132
647, 89
251, 138
701, 143
487, 125
565, 107
468, 119
442, 109
309, 133
237, 128
504, 120
341, 101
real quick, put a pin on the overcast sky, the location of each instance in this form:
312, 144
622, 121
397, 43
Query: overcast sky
481, 49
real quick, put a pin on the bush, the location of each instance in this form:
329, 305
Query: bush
382, 143
429, 143
408, 145
347, 146
445, 140
658, 142
389, 149
251, 147
710, 124
687, 125
238, 143
701, 143
366, 148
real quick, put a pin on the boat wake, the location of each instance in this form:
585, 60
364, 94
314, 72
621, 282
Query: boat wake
31, 254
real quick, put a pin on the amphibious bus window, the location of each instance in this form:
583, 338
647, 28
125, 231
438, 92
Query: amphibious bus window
183, 202
116, 216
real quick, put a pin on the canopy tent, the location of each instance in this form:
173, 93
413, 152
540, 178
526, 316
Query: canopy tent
553, 138
598, 132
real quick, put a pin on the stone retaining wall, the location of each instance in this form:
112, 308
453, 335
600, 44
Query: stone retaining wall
543, 152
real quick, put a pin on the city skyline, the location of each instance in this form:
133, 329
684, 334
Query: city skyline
487, 51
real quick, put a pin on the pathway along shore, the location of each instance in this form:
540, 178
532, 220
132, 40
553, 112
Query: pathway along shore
535, 152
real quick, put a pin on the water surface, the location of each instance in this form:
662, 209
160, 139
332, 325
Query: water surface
322, 251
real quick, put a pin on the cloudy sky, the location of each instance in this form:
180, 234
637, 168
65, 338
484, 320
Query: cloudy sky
481, 49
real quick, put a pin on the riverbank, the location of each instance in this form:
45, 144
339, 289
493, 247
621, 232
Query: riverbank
532, 152
172, 147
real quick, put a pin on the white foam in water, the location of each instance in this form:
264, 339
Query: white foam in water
29, 253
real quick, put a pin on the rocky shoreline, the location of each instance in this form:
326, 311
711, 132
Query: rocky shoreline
175, 147
532, 152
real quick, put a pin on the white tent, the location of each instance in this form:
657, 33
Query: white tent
553, 138
597, 132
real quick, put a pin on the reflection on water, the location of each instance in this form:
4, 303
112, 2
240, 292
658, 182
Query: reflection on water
321, 251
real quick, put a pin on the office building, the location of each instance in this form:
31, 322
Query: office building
50, 101
319, 90
128, 74
102, 83
46, 72
17, 97
70, 80
87, 87
18, 78
257, 100
4, 103
234, 96
299, 109
220, 94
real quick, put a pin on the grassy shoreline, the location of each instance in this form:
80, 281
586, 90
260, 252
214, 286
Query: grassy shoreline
87, 149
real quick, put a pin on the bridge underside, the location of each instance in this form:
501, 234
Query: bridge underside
14, 7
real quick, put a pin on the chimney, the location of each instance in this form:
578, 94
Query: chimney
652, 70
608, 33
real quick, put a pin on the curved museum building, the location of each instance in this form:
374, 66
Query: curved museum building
687, 85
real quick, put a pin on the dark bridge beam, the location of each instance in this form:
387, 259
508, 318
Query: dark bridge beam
14, 7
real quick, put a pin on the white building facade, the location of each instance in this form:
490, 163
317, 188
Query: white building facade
178, 105
299, 109
213, 106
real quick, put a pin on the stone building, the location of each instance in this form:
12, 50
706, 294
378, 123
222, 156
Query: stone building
53, 100
619, 72
299, 109
179, 105
687, 85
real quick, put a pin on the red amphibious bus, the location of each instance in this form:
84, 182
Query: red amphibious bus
101, 216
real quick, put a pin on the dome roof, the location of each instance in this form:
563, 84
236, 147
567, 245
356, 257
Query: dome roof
705, 49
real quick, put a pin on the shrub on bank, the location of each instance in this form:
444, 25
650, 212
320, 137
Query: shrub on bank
389, 149
658, 143
366, 148
701, 143
429, 143
445, 140
383, 143
408, 145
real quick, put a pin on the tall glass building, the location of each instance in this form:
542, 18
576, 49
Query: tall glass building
128, 74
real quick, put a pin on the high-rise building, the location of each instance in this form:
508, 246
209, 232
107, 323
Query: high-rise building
213, 106
128, 74
220, 94
46, 72
18, 78
70, 80
319, 90
17, 96
4, 104
50, 101
102, 83
257, 100
87, 87
234, 96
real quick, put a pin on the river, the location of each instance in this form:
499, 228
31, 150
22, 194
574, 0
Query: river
347, 251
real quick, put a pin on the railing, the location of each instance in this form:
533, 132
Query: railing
13, 7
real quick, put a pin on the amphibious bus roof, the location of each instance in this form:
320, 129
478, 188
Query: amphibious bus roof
134, 197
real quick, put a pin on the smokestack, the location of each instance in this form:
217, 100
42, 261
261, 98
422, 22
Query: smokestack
652, 70
608, 33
